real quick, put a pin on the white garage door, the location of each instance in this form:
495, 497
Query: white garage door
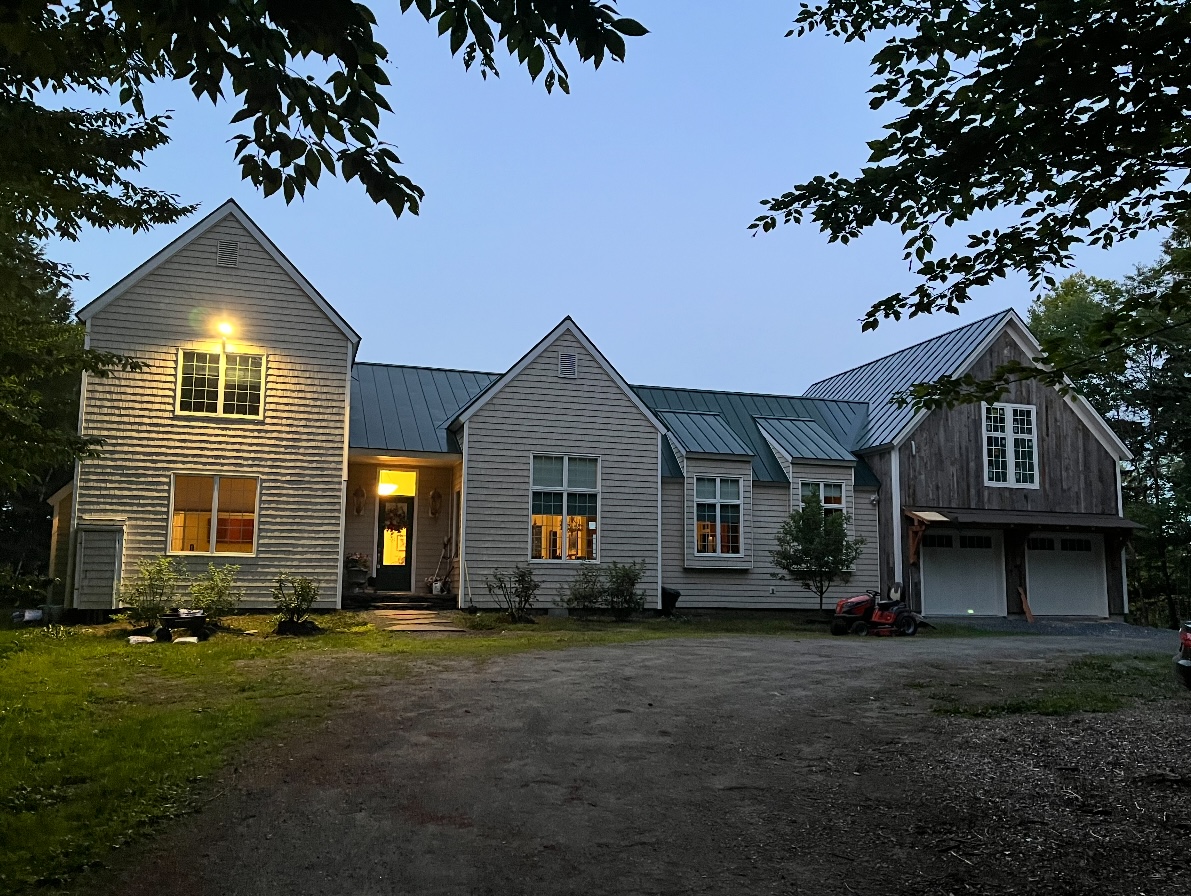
963, 573
1065, 575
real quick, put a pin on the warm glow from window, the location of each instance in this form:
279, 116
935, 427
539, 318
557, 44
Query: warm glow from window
397, 482
225, 329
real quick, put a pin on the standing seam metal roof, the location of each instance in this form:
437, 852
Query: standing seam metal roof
803, 439
877, 381
703, 433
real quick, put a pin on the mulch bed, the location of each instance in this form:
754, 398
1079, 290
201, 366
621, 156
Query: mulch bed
1091, 803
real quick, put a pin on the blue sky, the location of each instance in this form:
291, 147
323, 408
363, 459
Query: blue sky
624, 205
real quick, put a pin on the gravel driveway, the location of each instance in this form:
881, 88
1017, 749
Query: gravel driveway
742, 764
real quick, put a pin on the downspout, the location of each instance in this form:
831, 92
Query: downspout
464, 578
1124, 573
895, 473
659, 521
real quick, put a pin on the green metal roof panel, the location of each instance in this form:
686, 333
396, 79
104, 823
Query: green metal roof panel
396, 408
702, 433
843, 421
875, 382
803, 439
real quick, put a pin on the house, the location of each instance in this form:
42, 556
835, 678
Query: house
252, 435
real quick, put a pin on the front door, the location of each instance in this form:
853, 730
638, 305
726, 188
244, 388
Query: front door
394, 545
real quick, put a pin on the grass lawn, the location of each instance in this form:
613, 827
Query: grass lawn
99, 740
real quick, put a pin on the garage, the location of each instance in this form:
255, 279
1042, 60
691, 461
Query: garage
1065, 574
963, 572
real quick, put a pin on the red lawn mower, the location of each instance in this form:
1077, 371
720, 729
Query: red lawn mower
867, 614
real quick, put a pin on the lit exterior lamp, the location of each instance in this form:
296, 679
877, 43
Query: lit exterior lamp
225, 330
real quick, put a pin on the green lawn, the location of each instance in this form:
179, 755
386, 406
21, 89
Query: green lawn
100, 740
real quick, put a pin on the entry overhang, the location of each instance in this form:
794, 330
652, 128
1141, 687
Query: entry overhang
1026, 518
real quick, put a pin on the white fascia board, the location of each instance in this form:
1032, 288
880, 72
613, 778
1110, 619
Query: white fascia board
1029, 345
231, 207
565, 325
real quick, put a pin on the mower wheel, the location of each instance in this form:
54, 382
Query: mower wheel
907, 625
859, 628
839, 628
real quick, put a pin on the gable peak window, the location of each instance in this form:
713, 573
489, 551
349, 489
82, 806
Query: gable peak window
564, 507
1010, 445
222, 384
717, 515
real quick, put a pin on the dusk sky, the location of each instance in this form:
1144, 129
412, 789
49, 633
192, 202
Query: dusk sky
625, 205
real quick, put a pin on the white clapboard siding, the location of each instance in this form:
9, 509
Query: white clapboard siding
297, 449
755, 588
539, 412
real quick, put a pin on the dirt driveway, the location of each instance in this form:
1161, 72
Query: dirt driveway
728, 765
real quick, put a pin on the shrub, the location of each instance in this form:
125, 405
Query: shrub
587, 591
623, 598
154, 589
294, 597
515, 592
215, 592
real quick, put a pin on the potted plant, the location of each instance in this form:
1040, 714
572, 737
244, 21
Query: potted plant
355, 571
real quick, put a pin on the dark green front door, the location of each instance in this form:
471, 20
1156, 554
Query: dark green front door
395, 545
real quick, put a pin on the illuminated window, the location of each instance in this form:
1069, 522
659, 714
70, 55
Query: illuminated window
830, 494
221, 384
564, 507
717, 515
1009, 436
213, 510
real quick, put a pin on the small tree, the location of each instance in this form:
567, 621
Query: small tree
623, 597
515, 591
153, 590
813, 548
215, 592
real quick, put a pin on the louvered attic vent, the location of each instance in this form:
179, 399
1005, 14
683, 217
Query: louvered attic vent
568, 365
228, 254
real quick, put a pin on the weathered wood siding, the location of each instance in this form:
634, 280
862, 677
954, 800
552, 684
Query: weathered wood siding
942, 465
738, 469
538, 412
297, 449
755, 588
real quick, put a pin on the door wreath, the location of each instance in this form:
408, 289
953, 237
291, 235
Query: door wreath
396, 519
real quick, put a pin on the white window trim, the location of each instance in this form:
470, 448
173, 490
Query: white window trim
1009, 448
739, 502
222, 378
231, 555
566, 473
843, 484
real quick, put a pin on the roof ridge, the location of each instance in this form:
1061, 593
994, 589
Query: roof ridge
911, 347
750, 394
425, 367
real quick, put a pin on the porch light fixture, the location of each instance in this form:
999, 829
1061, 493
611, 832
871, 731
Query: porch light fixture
225, 329
359, 496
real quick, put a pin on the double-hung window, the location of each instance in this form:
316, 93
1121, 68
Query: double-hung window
717, 515
224, 384
1010, 446
213, 514
830, 495
564, 508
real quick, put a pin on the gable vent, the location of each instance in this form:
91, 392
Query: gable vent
228, 254
568, 365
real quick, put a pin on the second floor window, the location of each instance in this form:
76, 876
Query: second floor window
1010, 452
221, 384
830, 495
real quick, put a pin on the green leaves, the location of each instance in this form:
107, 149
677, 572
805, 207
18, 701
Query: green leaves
814, 548
1074, 114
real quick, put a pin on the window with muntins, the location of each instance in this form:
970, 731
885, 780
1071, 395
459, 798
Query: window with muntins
717, 515
213, 514
1010, 447
831, 495
225, 384
564, 507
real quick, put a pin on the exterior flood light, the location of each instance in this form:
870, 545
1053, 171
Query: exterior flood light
225, 329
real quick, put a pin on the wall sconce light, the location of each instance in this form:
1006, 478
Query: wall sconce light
435, 504
359, 495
